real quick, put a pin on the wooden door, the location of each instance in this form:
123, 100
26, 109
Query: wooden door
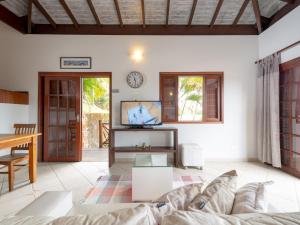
62, 125
290, 116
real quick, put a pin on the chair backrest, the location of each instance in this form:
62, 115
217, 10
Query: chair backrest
23, 129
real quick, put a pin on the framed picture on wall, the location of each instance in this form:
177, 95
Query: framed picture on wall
75, 62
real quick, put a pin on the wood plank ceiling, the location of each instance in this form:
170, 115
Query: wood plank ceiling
153, 17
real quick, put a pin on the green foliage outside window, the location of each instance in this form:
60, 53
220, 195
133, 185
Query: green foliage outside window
190, 98
96, 91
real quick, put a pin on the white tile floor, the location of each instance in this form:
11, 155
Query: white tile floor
95, 155
79, 177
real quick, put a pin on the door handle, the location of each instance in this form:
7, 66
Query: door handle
78, 118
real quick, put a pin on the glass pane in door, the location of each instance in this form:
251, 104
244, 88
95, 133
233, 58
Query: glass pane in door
290, 116
295, 97
53, 87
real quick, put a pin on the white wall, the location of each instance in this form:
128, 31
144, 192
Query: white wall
283, 33
10, 114
233, 140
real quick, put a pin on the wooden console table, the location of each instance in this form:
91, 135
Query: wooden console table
154, 149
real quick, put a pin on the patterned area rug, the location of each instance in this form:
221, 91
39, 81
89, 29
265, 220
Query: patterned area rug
118, 189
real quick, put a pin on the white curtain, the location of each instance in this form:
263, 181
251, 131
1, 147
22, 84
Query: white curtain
268, 130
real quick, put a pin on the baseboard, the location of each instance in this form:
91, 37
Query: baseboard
128, 160
231, 160
125, 160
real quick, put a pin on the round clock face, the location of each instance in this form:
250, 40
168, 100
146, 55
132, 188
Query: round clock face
135, 79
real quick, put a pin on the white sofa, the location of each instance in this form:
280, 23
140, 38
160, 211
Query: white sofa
93, 214
39, 215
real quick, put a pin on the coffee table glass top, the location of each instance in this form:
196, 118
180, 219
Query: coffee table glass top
151, 160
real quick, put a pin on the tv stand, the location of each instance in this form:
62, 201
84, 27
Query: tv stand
140, 127
154, 149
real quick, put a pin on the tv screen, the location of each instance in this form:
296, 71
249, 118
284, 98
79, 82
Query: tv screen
141, 113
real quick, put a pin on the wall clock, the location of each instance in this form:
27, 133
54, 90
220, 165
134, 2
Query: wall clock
135, 79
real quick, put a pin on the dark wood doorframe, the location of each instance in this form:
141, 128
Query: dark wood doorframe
41, 78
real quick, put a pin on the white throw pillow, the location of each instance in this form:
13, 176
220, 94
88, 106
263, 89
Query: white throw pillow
251, 198
218, 196
181, 197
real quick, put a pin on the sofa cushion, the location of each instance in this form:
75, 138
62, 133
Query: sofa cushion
192, 218
251, 198
181, 197
140, 215
103, 208
218, 196
160, 210
201, 218
26, 220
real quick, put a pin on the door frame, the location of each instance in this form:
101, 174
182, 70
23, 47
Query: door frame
41, 89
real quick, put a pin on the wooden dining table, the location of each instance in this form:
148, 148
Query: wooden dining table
13, 140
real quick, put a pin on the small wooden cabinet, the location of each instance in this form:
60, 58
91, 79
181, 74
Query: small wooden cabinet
14, 97
154, 149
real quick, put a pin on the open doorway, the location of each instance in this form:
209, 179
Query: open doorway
95, 118
74, 116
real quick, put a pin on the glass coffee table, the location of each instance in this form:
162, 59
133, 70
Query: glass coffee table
152, 176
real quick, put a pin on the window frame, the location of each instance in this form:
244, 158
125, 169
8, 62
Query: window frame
219, 75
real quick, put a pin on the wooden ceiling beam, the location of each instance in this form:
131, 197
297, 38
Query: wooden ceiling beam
143, 13
284, 11
241, 12
218, 8
288, 1
192, 12
168, 12
92, 8
69, 12
44, 12
257, 15
118, 12
265, 20
29, 15
149, 30
18, 23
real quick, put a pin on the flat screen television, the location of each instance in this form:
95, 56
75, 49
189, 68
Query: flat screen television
141, 113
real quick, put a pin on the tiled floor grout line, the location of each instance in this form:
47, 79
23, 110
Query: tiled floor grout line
1, 187
60, 181
83, 175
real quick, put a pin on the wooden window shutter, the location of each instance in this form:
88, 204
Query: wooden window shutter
212, 99
168, 96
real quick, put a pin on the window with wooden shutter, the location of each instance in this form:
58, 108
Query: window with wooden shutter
192, 97
212, 98
169, 98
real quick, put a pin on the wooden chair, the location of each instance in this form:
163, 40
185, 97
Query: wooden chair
12, 160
